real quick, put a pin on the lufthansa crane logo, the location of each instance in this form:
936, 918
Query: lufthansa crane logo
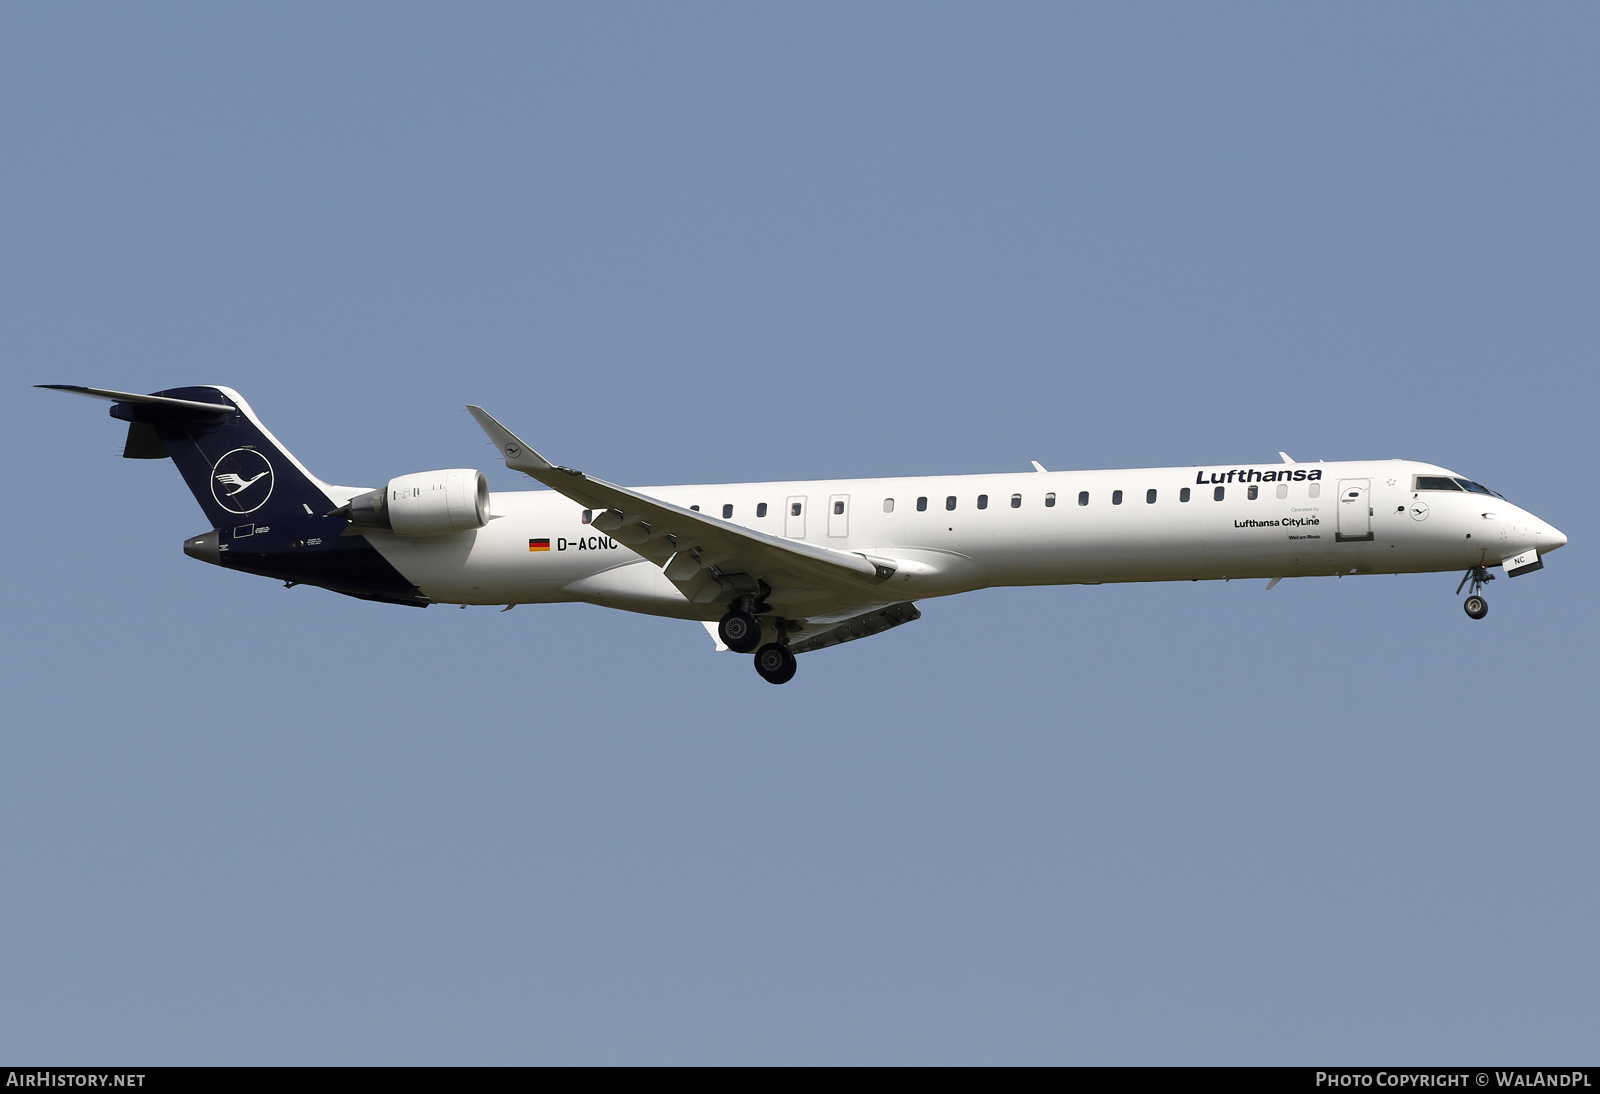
241, 481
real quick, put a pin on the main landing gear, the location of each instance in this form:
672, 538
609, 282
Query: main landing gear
740, 631
1476, 606
775, 663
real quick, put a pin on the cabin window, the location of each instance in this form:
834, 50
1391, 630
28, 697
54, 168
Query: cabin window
888, 505
1050, 501
1016, 501
761, 509
696, 508
1283, 490
922, 505
727, 512
1183, 495
1315, 490
794, 510
1149, 497
838, 508
1083, 497
983, 501
950, 502
1116, 497
588, 515
1253, 492
1216, 495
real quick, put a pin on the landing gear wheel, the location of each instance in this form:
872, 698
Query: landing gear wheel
1477, 607
739, 631
775, 664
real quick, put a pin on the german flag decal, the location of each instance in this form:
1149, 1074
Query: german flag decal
538, 545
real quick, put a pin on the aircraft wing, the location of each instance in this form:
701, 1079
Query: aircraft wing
706, 558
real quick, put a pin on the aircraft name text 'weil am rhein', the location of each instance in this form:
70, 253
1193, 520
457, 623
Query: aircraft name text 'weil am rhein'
783, 568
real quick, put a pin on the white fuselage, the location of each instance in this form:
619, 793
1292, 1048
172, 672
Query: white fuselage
1305, 519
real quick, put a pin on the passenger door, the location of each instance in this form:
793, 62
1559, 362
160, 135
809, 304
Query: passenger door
839, 515
1355, 509
794, 518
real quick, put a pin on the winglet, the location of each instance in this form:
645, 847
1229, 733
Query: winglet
1286, 457
518, 455
1037, 466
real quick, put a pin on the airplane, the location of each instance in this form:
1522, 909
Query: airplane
778, 569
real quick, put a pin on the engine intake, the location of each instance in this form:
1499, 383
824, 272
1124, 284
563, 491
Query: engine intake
428, 503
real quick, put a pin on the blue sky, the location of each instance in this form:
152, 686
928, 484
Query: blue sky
1339, 822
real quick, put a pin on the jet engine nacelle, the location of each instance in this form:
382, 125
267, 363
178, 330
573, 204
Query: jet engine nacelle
428, 503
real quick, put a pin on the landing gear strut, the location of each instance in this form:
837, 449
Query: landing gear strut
775, 663
1476, 606
739, 631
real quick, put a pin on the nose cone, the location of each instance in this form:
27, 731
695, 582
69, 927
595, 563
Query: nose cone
206, 548
1551, 538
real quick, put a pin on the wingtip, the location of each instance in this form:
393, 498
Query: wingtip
519, 456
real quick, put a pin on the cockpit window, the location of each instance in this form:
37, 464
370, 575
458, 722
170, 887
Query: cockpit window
1477, 488
1435, 482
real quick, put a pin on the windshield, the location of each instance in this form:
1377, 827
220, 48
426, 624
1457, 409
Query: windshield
1478, 488
1446, 482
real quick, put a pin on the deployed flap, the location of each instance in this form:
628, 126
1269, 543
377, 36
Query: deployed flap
704, 557
824, 631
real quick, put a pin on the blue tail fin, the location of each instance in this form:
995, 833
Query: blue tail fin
235, 468
270, 515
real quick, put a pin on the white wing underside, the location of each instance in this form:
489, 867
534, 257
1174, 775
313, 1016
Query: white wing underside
839, 595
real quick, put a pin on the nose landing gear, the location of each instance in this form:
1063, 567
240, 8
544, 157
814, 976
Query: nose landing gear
1476, 606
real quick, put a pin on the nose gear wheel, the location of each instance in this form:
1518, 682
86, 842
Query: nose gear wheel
1476, 606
